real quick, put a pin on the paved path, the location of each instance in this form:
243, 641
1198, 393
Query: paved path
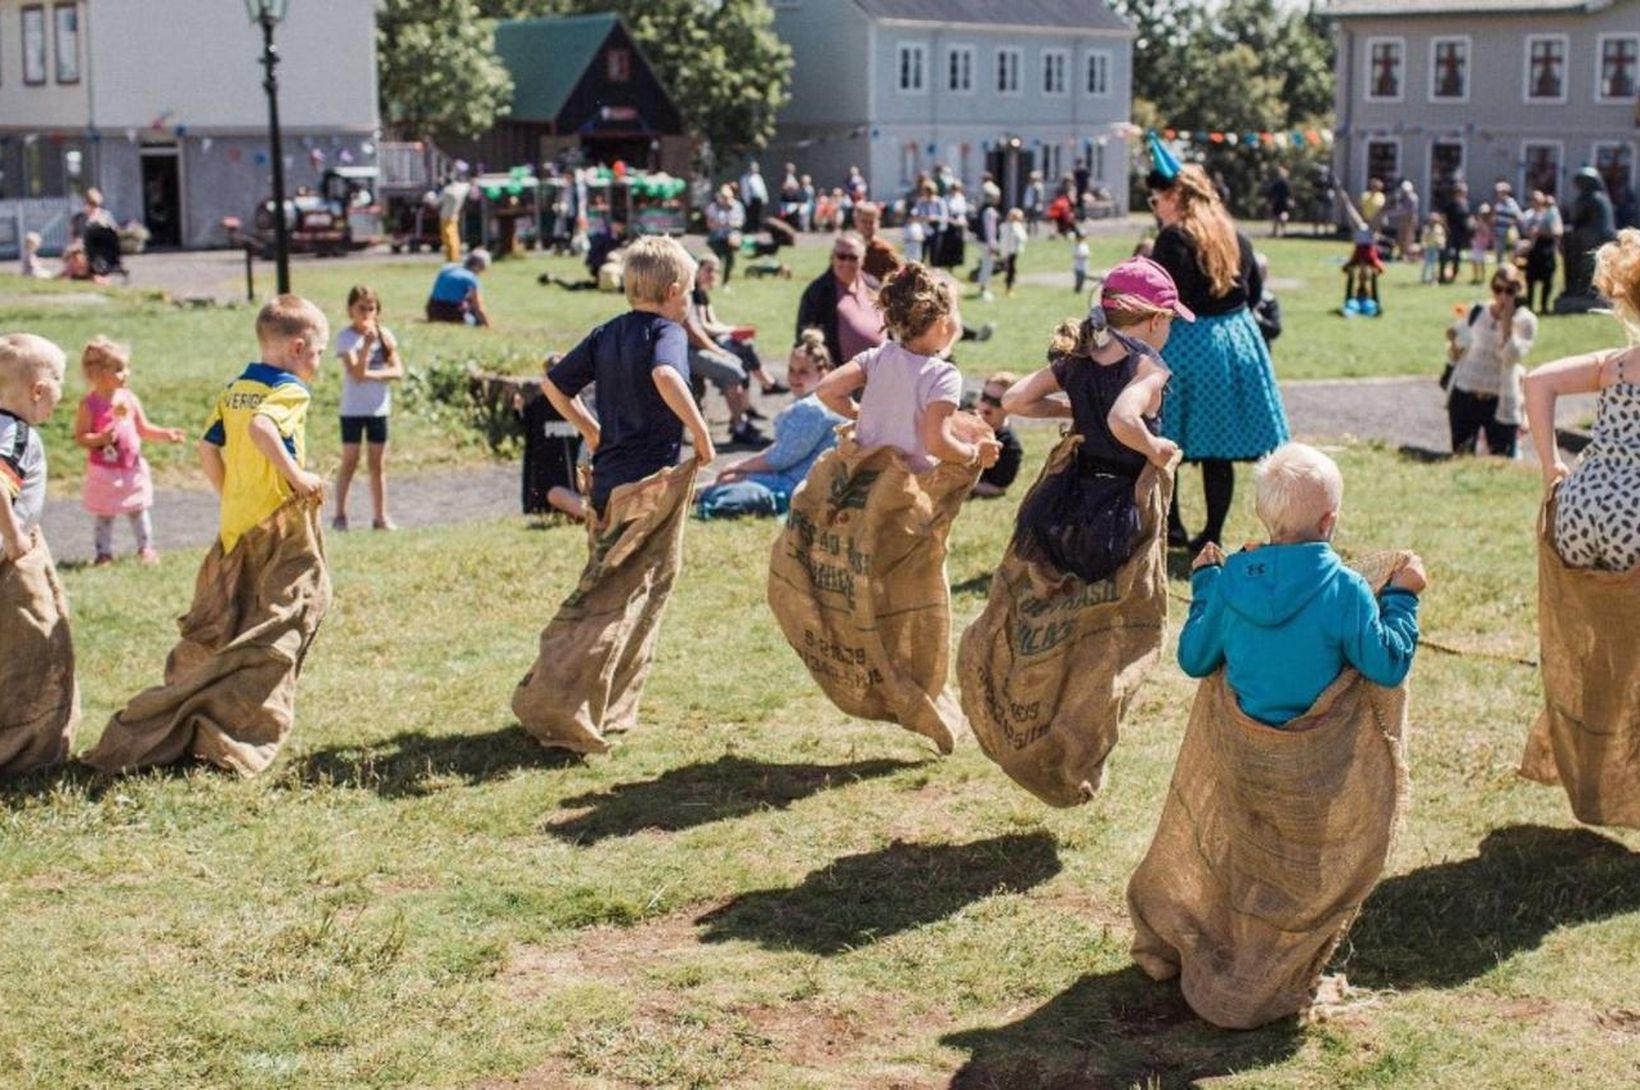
1404, 412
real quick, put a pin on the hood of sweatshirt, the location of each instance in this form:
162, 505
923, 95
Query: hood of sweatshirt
1270, 584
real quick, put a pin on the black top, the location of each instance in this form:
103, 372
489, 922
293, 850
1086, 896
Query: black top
1458, 228
1176, 252
1002, 474
1093, 389
817, 309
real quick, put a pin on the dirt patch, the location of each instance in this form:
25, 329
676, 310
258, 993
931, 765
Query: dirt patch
1619, 1020
600, 955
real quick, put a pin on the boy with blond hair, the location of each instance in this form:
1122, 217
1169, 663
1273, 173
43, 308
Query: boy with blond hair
229, 695
39, 701
1285, 618
997, 478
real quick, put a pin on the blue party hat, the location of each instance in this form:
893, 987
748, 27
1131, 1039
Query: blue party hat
1165, 166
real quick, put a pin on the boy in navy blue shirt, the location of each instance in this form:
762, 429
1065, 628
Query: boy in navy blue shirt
640, 362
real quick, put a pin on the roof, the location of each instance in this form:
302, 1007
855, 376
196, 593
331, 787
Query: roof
1347, 8
547, 58
1059, 14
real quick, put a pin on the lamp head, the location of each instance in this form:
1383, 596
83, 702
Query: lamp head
272, 11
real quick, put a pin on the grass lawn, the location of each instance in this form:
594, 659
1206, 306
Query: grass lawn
754, 891
181, 357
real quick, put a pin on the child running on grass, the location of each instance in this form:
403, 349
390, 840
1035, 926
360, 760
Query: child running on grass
1087, 521
1286, 617
911, 390
370, 360
111, 426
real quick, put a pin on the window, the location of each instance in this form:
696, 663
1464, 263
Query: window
1008, 61
1546, 68
1615, 162
618, 65
913, 61
34, 44
1098, 81
1383, 162
1449, 70
1054, 63
1445, 168
1384, 57
960, 69
1542, 166
67, 18
1619, 67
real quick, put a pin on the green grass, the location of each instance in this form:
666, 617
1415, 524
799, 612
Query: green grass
181, 357
754, 891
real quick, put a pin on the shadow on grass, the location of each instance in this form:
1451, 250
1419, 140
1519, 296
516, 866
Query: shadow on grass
860, 899
1116, 1029
1448, 923
728, 787
409, 764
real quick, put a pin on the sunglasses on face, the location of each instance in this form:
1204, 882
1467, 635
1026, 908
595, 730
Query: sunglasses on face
850, 258
1505, 289
993, 402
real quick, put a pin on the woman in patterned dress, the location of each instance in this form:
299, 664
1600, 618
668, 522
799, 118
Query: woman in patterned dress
1222, 405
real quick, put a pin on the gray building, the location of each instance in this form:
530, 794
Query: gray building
896, 86
1526, 91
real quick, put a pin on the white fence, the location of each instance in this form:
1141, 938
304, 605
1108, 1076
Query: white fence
48, 215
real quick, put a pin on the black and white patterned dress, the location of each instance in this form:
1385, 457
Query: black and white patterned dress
1597, 515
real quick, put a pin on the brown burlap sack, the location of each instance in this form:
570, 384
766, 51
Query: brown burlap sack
1047, 669
1269, 842
39, 698
1587, 738
596, 651
857, 582
229, 695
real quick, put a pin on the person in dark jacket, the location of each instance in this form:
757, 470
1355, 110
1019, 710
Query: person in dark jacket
839, 303
996, 480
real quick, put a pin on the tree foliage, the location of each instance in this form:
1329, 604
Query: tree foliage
437, 68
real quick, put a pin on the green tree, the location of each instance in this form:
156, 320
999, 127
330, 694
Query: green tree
437, 68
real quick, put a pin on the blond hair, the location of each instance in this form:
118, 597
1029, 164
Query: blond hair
26, 359
1001, 378
1294, 488
653, 264
811, 345
913, 299
1202, 216
286, 317
102, 354
1617, 277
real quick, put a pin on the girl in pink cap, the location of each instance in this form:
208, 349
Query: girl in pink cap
1109, 367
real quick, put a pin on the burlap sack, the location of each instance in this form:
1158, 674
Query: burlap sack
229, 695
1588, 736
596, 651
1047, 669
1269, 842
39, 698
857, 582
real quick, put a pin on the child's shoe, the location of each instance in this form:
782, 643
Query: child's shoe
339, 523
102, 560
148, 555
384, 524
986, 331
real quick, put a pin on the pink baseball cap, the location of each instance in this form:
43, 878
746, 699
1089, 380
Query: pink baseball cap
1145, 280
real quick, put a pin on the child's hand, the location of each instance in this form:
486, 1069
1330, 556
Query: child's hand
1162, 452
1410, 575
104, 438
307, 485
175, 435
987, 451
1210, 556
16, 550
1554, 474
730, 474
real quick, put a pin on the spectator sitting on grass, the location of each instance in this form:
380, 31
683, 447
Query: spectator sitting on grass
742, 347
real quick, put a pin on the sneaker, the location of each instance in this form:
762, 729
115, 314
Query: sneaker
384, 524
753, 414
339, 523
774, 389
987, 297
148, 555
102, 559
986, 331
747, 435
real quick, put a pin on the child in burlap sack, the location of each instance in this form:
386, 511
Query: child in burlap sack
1285, 618
39, 702
263, 589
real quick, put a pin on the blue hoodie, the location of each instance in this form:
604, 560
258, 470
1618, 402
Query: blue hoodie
1286, 619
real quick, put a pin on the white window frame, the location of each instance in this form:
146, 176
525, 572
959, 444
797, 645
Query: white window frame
1560, 164
1634, 155
920, 49
1018, 55
1366, 160
1429, 164
1599, 75
967, 50
1468, 69
1063, 57
1401, 84
1526, 70
1105, 57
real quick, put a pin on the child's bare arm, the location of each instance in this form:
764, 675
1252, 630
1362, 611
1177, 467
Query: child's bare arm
1036, 395
573, 410
1126, 417
835, 389
270, 444
11, 534
674, 390
84, 436
1547, 384
940, 437
210, 459
149, 432
394, 368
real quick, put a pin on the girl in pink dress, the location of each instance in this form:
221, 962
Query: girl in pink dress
111, 426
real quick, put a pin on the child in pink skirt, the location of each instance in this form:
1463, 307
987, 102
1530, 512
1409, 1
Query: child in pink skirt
111, 426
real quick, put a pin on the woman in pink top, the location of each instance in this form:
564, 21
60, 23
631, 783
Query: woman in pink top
911, 391
111, 426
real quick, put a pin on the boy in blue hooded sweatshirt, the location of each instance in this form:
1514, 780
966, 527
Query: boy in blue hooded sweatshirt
1286, 618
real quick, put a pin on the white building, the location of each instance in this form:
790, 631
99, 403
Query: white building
160, 104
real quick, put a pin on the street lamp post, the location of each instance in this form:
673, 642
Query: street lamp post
267, 14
